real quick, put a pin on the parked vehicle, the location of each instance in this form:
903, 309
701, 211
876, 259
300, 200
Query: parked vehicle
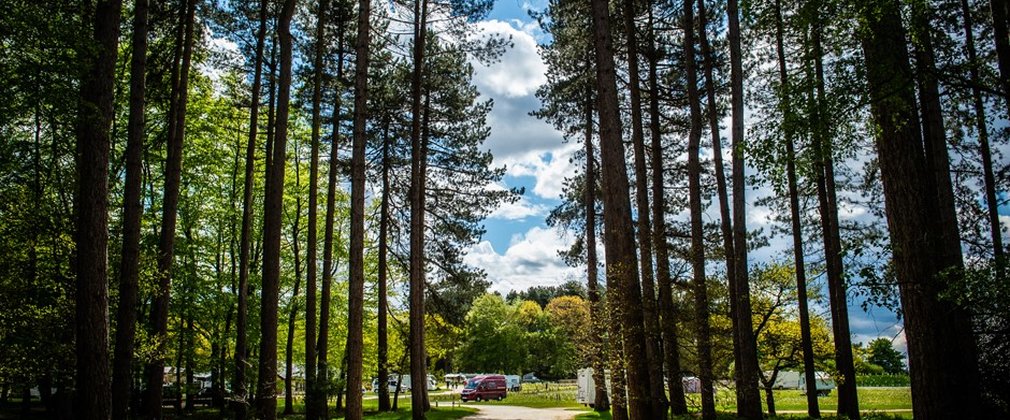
586, 393
485, 387
454, 379
531, 378
513, 382
797, 380
404, 386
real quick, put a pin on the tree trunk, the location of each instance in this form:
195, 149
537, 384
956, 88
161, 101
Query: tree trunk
311, 409
697, 228
129, 266
329, 264
356, 284
293, 312
671, 345
92, 307
944, 377
418, 358
271, 226
725, 221
621, 261
240, 404
173, 174
189, 363
653, 351
983, 136
748, 396
806, 343
383, 341
177, 401
701, 304
654, 360
848, 403
770, 399
999, 9
618, 379
596, 319
271, 112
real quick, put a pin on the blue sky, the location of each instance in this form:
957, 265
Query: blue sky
519, 250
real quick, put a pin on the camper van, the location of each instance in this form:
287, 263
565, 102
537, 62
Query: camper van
513, 383
484, 387
796, 380
404, 386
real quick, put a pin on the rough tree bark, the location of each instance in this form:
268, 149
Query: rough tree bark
240, 404
999, 10
944, 377
667, 310
748, 395
383, 341
615, 354
311, 388
289, 407
173, 174
653, 354
848, 403
983, 134
701, 304
725, 219
272, 209
356, 283
618, 237
601, 402
806, 343
93, 124
129, 265
329, 264
418, 358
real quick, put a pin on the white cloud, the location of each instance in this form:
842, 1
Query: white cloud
531, 259
519, 210
520, 71
512, 83
549, 169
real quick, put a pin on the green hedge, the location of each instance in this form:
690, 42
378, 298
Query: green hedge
882, 380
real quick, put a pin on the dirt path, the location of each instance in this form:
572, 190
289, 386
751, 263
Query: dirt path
511, 412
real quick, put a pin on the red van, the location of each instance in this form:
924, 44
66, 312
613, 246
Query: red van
485, 387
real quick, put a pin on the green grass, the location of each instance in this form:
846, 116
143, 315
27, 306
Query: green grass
534, 396
871, 401
441, 413
593, 415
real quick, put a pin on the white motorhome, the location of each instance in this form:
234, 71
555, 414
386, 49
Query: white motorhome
586, 393
797, 380
404, 385
513, 383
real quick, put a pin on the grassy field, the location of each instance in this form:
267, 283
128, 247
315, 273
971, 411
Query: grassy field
592, 415
792, 404
877, 402
537, 396
443, 412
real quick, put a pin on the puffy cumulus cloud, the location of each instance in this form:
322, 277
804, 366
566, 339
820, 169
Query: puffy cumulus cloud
520, 210
512, 83
549, 169
531, 260
520, 71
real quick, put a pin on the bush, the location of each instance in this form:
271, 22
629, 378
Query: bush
882, 380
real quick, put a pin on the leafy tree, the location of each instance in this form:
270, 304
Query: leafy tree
778, 330
543, 295
882, 353
492, 340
